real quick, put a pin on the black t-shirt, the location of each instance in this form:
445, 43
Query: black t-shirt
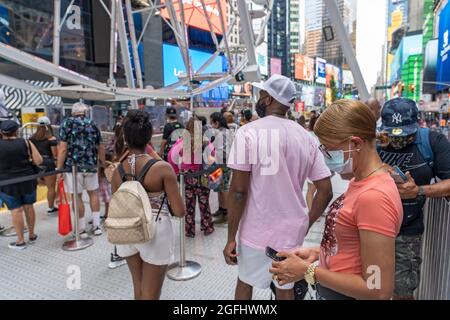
410, 159
169, 128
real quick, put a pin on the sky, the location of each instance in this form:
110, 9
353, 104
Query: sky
370, 37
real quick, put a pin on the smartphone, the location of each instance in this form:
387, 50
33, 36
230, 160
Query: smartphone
399, 176
272, 254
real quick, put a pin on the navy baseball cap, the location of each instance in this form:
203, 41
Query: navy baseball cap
400, 117
9, 126
171, 111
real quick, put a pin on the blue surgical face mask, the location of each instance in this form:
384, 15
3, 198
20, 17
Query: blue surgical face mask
337, 163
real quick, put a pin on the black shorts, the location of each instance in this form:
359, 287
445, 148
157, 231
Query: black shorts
49, 164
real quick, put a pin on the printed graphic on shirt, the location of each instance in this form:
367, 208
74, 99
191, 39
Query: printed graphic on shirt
402, 160
329, 241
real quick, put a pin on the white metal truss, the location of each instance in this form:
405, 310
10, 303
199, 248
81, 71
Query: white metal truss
122, 30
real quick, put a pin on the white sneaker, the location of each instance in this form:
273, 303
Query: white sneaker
84, 234
97, 231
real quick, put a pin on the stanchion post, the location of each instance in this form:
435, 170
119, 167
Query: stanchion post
183, 270
182, 226
77, 243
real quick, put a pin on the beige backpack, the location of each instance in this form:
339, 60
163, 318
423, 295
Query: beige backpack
130, 217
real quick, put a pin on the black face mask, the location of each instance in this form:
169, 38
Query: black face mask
261, 108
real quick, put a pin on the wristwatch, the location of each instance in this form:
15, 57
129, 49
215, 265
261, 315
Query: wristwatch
310, 275
421, 192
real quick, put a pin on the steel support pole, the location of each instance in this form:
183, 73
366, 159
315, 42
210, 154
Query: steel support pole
112, 45
124, 49
336, 19
247, 32
183, 270
56, 36
137, 62
77, 243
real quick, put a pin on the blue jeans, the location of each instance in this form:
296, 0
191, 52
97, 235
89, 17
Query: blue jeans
15, 203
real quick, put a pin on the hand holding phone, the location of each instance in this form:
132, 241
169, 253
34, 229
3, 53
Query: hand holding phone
272, 254
399, 176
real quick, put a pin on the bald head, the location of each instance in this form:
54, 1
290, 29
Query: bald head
375, 107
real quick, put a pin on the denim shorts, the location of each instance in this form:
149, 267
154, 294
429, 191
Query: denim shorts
15, 203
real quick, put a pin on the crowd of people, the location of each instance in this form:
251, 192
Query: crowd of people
261, 161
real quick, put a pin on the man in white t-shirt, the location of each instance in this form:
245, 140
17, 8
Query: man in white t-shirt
271, 159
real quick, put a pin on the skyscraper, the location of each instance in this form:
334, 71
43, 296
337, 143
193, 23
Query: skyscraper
284, 34
279, 35
316, 19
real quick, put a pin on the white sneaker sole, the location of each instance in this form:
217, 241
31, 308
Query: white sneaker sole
116, 264
17, 248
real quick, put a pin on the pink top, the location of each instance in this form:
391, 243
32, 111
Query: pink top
195, 163
281, 155
372, 204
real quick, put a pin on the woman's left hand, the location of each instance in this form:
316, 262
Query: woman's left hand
291, 269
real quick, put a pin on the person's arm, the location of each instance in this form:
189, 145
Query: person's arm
177, 205
102, 155
321, 199
410, 190
62, 154
54, 147
162, 147
237, 199
321, 177
378, 270
165, 137
35, 155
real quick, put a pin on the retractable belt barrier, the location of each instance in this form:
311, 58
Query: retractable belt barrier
186, 269
32, 177
72, 244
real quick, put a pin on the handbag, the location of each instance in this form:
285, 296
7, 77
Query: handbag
213, 179
64, 218
36, 169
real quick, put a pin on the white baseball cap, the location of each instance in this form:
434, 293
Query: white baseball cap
79, 108
44, 121
280, 88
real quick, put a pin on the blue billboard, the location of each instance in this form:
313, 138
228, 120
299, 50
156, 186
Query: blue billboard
174, 64
321, 71
5, 35
443, 63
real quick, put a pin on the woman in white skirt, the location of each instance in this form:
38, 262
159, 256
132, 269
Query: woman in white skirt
148, 261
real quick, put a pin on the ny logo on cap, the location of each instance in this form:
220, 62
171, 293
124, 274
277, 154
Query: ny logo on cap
397, 118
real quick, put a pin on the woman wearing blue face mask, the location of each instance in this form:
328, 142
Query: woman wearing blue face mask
356, 259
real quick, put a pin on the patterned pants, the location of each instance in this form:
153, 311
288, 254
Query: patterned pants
193, 191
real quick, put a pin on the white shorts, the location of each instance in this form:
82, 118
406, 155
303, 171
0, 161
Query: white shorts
254, 268
86, 181
159, 251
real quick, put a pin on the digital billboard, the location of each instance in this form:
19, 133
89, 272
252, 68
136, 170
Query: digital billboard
174, 64
319, 96
321, 75
347, 77
5, 35
304, 68
430, 64
333, 72
261, 56
194, 15
308, 95
275, 66
443, 63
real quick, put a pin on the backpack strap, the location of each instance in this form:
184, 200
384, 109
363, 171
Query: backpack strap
145, 169
123, 174
162, 204
424, 145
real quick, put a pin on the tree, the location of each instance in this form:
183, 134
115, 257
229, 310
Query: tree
334, 89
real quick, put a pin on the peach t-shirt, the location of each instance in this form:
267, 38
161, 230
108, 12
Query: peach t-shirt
372, 204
